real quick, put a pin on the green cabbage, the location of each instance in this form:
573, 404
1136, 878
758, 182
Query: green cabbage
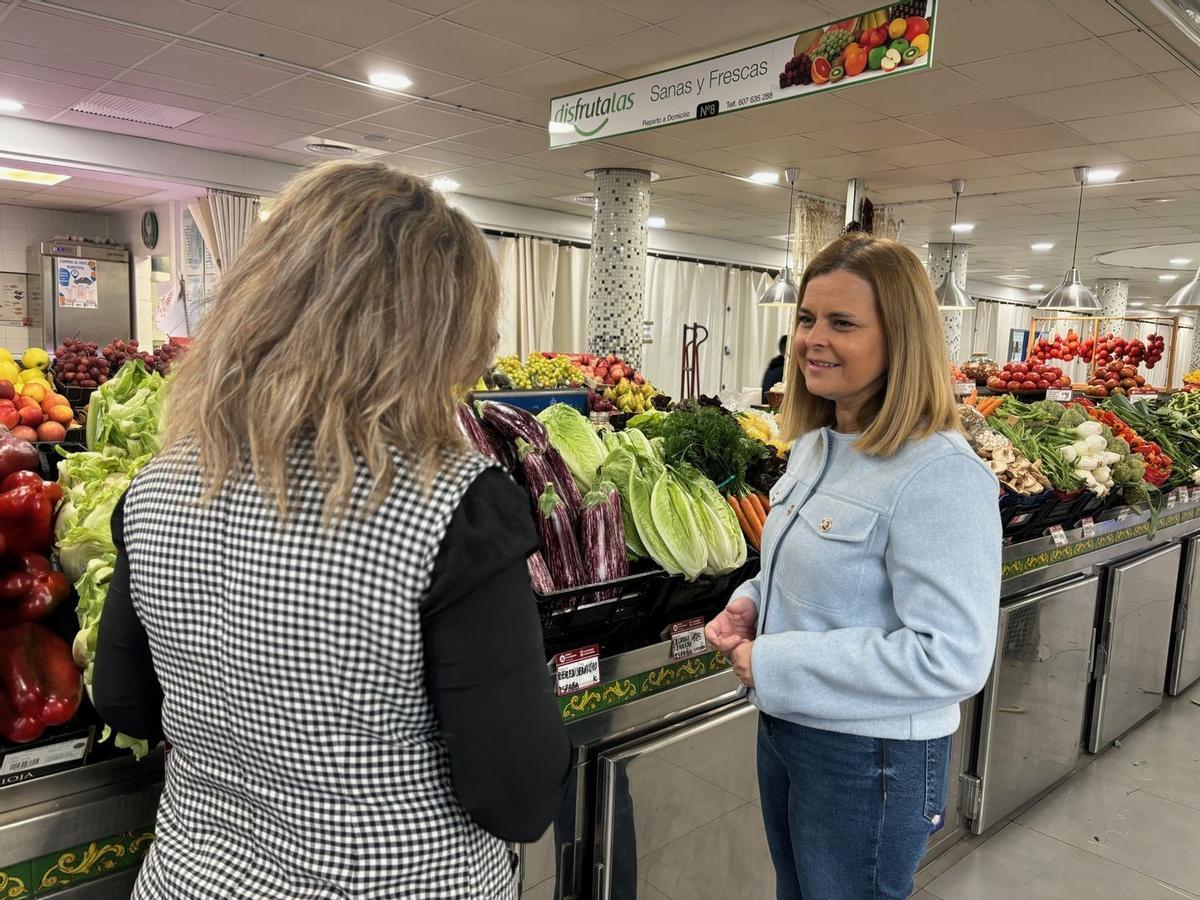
126, 412
576, 441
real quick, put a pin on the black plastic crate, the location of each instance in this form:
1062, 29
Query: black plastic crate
607, 613
1018, 510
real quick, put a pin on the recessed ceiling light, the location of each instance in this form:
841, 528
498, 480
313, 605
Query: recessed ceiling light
1167, 277
561, 127
445, 185
7, 105
1180, 261
656, 222
1037, 287
1157, 199
392, 81
765, 178
1041, 247
962, 227
1137, 303
29, 177
1098, 176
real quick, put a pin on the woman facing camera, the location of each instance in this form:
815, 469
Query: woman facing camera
876, 607
320, 596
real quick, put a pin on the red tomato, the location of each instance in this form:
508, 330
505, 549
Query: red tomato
1064, 381
1029, 385
1042, 384
996, 383
1067, 357
1056, 353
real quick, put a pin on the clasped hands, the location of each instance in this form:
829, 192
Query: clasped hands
732, 632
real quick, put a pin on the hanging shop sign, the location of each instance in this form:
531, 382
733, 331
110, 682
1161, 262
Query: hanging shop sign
888, 40
76, 283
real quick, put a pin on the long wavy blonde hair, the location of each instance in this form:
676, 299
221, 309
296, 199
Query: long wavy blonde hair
916, 399
351, 318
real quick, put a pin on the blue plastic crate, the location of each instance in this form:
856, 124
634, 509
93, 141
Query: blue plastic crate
536, 401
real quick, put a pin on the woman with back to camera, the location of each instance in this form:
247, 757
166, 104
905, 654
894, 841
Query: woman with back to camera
329, 588
876, 608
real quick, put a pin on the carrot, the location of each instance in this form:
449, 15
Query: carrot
972, 398
737, 508
765, 500
758, 509
752, 518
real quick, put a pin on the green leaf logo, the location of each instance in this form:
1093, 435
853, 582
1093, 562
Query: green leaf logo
595, 130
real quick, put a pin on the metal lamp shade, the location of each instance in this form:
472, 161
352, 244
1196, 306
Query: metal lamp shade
1070, 296
782, 292
951, 297
1187, 298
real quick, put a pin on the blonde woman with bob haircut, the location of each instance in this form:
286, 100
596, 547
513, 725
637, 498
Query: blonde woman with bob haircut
875, 610
321, 597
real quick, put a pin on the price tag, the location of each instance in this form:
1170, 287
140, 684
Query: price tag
687, 638
1186, 494
575, 670
1060, 536
963, 388
1089, 527
44, 757
1061, 395
1172, 499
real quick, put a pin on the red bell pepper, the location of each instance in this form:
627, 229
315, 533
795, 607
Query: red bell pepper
20, 479
27, 518
40, 685
32, 590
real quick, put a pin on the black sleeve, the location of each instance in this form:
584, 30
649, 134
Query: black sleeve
125, 689
486, 666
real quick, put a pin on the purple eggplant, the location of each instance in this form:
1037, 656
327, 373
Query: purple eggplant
539, 574
539, 471
472, 430
559, 548
513, 423
602, 537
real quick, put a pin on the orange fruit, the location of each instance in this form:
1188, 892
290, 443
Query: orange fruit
856, 63
820, 70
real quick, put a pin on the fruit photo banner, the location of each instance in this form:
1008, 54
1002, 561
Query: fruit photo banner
888, 40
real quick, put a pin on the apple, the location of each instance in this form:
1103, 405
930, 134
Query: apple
9, 417
7, 391
62, 414
51, 431
32, 416
25, 433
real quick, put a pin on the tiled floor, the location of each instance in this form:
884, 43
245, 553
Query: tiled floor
1125, 828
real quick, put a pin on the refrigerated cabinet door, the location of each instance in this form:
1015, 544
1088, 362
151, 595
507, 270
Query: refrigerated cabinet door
1135, 638
1035, 701
678, 814
1185, 658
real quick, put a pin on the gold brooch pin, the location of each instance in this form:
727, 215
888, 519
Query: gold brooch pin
826, 524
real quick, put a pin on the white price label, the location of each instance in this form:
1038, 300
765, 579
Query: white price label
1172, 499
1061, 395
687, 638
1186, 495
44, 757
1089, 527
1060, 536
963, 388
575, 670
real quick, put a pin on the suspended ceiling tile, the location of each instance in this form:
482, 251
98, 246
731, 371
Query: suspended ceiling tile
813, 113
1098, 18
380, 138
1159, 148
872, 135
282, 43
988, 30
1108, 98
1069, 157
1143, 52
969, 169
1184, 82
286, 110
1063, 65
423, 168
719, 160
170, 15
312, 92
1029, 181
493, 100
463, 52
641, 52
451, 159
551, 26
846, 166
652, 10
425, 82
548, 78
470, 150
1178, 165
434, 7
358, 23
1023, 140
74, 37
514, 139
216, 69
237, 130
49, 60
421, 118
723, 131
994, 115
303, 122
46, 93
1148, 124
660, 142
727, 26
927, 153
921, 92
39, 73
177, 86
786, 151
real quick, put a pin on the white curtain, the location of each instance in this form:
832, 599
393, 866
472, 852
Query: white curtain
224, 219
529, 281
571, 300
753, 333
678, 294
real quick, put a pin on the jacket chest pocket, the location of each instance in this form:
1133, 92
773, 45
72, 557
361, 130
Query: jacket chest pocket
836, 540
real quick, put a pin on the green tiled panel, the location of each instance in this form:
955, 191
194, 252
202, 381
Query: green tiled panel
47, 875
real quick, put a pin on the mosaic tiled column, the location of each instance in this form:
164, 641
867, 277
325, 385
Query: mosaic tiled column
1193, 362
939, 264
618, 265
1113, 294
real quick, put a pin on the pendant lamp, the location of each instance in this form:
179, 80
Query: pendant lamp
1187, 298
949, 295
783, 291
1073, 295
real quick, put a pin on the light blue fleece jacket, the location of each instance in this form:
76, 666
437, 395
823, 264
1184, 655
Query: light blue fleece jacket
879, 590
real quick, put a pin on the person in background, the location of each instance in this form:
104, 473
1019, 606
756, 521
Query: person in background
774, 373
321, 596
863, 632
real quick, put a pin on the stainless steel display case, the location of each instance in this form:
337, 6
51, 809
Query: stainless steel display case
1185, 646
1035, 701
1133, 649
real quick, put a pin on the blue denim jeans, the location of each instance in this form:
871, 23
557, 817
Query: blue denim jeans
848, 817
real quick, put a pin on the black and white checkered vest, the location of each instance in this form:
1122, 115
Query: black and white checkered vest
306, 760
